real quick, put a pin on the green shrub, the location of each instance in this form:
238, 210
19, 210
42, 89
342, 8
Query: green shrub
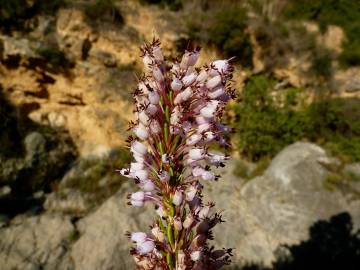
344, 13
173, 5
226, 30
56, 59
104, 10
264, 126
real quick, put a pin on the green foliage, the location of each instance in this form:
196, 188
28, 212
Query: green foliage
265, 126
104, 10
173, 5
14, 13
55, 58
226, 30
89, 173
344, 13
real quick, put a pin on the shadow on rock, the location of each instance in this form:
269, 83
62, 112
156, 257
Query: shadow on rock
332, 244
32, 159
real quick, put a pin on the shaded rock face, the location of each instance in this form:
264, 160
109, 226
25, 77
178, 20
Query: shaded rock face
284, 206
39, 242
279, 207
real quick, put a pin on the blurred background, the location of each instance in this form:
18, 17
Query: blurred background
291, 193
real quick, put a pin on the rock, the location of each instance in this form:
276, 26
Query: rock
347, 81
16, 47
38, 242
35, 144
105, 229
56, 119
106, 58
285, 201
67, 201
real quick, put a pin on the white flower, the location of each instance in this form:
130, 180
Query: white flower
147, 185
154, 97
208, 176
158, 55
164, 176
151, 109
155, 127
203, 75
189, 79
135, 166
221, 65
213, 82
147, 61
145, 247
178, 198
195, 255
189, 220
216, 93
138, 237
176, 84
190, 193
196, 153
141, 174
193, 139
143, 118
138, 147
158, 74
204, 212
141, 132
158, 234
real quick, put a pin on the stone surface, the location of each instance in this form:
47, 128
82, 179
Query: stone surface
39, 242
105, 229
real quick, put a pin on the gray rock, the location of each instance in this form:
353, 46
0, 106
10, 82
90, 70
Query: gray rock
39, 242
34, 144
67, 201
105, 229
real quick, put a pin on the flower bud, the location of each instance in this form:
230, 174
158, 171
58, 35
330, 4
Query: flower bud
158, 74
141, 132
190, 193
155, 127
189, 220
204, 212
135, 166
158, 234
154, 97
193, 139
138, 147
151, 109
147, 60
158, 55
138, 237
143, 118
208, 176
178, 198
216, 93
203, 75
196, 255
197, 153
164, 176
177, 224
221, 65
147, 185
145, 247
176, 84
141, 174
213, 82
189, 79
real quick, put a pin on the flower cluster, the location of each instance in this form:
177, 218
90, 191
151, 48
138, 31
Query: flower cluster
178, 110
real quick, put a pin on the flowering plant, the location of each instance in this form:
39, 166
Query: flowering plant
178, 109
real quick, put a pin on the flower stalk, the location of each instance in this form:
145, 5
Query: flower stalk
178, 109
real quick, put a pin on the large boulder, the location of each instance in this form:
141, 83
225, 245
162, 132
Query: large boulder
278, 207
39, 242
103, 244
